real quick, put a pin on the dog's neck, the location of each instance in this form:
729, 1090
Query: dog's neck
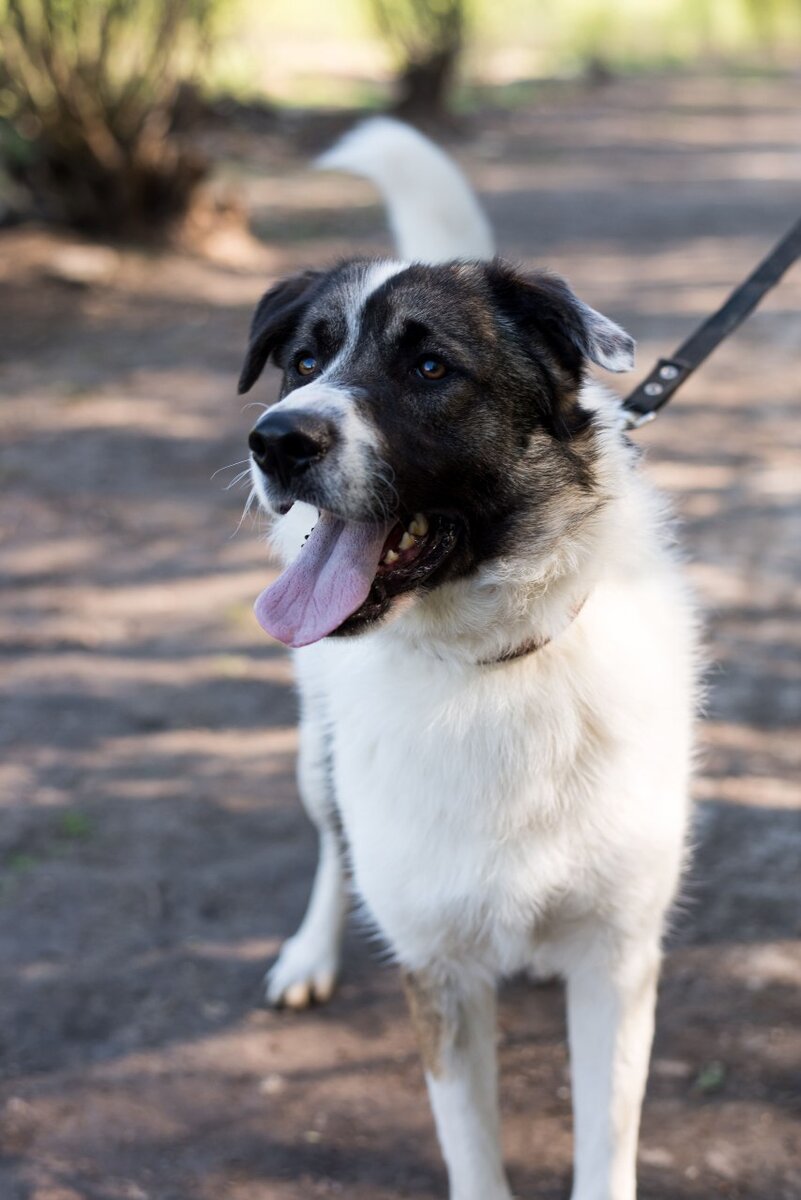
531, 646
498, 617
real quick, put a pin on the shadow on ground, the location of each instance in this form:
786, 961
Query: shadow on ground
153, 852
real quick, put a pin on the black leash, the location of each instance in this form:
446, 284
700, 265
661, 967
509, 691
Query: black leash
670, 373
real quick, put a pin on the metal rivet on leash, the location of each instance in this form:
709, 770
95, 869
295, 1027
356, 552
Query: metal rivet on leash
670, 373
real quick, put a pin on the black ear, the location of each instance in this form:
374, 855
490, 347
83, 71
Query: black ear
573, 331
275, 317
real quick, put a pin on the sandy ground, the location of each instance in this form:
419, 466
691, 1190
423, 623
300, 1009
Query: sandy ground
153, 851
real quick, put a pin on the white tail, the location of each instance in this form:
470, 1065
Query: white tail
433, 213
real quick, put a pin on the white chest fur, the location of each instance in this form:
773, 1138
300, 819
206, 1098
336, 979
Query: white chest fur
485, 809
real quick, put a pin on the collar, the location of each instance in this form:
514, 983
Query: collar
532, 644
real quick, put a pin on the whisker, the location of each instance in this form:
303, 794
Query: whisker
238, 479
230, 465
247, 507
387, 497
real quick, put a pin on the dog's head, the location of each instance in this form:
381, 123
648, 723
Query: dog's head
432, 414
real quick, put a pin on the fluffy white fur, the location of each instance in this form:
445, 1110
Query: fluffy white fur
530, 815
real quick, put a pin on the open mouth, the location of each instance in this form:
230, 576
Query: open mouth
347, 575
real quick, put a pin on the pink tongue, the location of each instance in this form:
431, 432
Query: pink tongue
329, 580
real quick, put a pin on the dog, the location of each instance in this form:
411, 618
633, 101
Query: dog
495, 652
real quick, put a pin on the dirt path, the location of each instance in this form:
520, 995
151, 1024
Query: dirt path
152, 848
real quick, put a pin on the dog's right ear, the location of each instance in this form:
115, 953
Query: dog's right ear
276, 315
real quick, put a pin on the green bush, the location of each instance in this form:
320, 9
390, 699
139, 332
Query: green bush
89, 93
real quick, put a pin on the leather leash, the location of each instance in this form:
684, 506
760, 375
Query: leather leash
669, 374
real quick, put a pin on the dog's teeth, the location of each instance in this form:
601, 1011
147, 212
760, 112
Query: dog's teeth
407, 541
419, 526
390, 557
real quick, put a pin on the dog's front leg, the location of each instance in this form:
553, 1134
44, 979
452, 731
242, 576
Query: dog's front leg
455, 1025
307, 967
611, 996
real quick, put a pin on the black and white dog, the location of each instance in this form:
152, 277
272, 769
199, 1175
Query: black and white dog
497, 663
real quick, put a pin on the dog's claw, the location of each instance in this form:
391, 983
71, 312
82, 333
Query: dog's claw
300, 977
324, 988
306, 992
297, 995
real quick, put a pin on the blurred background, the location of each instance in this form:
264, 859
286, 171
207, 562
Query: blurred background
153, 181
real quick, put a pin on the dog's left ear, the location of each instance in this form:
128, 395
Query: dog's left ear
573, 331
276, 315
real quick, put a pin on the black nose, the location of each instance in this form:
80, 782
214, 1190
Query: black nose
284, 444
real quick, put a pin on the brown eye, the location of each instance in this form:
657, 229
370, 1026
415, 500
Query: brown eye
431, 368
306, 364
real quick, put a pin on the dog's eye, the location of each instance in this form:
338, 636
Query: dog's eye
305, 364
431, 368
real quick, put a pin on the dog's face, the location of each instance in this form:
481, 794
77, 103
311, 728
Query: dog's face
431, 413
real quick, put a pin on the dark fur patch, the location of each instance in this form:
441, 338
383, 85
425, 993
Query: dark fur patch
433, 1024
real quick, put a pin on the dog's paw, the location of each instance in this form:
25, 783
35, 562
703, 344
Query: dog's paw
304, 973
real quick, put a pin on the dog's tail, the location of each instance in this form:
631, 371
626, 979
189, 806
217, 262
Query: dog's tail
433, 212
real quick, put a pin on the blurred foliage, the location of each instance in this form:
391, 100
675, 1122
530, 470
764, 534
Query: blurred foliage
426, 37
313, 52
552, 37
91, 92
95, 95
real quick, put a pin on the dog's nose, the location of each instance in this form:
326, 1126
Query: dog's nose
286, 444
